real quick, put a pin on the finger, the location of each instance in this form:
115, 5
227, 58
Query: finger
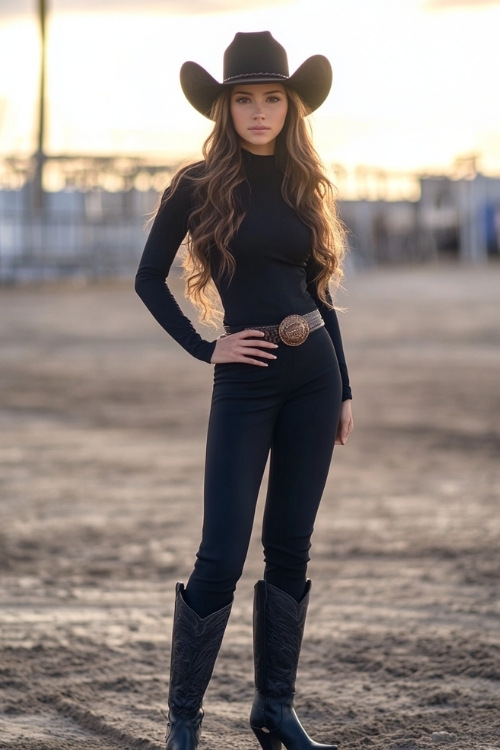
258, 353
250, 332
251, 341
254, 342
249, 361
344, 434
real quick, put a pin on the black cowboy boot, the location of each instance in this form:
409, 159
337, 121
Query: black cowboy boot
278, 629
195, 645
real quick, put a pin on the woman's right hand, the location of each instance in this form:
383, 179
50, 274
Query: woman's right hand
243, 347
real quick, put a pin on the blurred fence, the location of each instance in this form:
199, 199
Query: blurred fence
90, 234
92, 223
89, 221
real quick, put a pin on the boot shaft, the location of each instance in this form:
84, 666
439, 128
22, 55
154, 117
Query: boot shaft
278, 629
279, 622
195, 644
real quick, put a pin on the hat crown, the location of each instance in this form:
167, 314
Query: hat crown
252, 58
252, 54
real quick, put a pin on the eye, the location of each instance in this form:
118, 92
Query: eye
273, 99
242, 99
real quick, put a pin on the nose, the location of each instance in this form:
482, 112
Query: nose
258, 112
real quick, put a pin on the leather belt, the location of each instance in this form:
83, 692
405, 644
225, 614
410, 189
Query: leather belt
292, 331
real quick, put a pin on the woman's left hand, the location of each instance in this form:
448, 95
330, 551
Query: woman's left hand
346, 423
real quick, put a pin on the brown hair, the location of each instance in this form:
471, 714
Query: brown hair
218, 213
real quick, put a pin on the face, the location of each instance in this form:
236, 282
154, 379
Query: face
258, 112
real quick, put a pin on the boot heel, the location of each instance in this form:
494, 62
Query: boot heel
267, 741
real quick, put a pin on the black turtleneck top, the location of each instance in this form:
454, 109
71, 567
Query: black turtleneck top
274, 269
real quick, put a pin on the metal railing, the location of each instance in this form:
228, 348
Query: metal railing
85, 234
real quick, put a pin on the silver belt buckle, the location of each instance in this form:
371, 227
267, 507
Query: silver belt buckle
293, 330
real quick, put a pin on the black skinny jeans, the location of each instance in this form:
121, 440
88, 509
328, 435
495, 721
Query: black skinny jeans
290, 408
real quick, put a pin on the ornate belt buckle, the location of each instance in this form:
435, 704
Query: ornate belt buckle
293, 330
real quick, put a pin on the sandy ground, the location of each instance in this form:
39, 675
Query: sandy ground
102, 431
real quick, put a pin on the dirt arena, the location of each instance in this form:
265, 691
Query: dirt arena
101, 444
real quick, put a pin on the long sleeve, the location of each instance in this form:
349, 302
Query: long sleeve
167, 233
329, 315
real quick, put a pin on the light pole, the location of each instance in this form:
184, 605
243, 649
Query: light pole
39, 155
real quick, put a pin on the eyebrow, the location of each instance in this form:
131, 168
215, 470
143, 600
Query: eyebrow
250, 93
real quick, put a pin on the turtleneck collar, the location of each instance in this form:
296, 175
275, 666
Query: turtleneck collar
250, 158
264, 167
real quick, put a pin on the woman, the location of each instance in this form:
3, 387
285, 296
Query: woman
262, 229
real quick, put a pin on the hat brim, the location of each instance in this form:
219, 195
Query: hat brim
312, 81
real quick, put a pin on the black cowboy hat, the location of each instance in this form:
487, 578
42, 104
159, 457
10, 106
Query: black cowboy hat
256, 57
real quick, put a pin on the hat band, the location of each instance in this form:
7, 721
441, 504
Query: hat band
253, 75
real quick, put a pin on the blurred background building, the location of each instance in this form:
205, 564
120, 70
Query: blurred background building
83, 215
93, 221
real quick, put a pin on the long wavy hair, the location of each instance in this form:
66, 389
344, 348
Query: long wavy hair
218, 212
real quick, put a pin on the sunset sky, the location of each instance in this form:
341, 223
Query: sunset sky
415, 81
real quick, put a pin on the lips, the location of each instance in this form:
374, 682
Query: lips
259, 129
